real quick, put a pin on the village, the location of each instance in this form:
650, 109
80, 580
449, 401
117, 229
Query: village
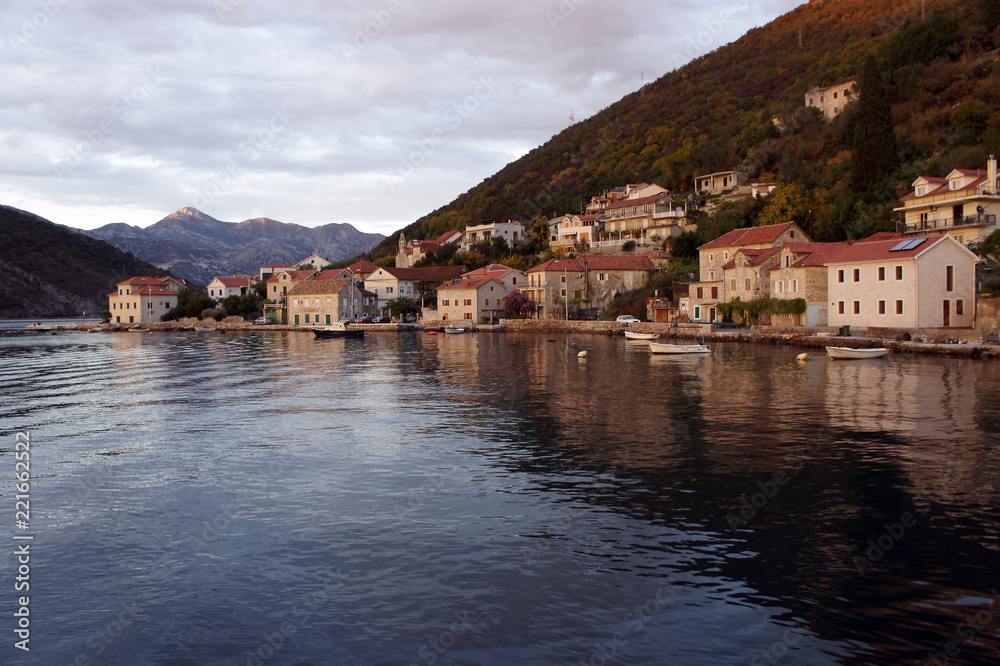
923, 276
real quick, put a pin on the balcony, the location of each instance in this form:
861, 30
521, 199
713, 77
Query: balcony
947, 223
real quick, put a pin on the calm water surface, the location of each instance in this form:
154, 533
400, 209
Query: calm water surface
490, 499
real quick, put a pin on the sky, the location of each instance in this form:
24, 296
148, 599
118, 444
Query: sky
313, 111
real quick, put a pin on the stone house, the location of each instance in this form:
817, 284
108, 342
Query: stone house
914, 283
472, 299
801, 272
832, 99
322, 302
142, 300
722, 181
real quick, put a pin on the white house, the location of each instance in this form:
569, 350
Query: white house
222, 287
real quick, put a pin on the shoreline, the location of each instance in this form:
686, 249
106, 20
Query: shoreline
810, 338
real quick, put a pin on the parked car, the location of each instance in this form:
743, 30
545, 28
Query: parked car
627, 320
366, 320
382, 319
350, 320
262, 321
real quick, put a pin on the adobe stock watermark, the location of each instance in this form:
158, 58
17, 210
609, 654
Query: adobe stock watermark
439, 644
562, 13
634, 620
700, 42
248, 150
453, 118
224, 7
973, 625
779, 648
31, 26
121, 108
371, 30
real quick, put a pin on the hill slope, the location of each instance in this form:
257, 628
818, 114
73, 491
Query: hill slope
51, 270
716, 114
198, 247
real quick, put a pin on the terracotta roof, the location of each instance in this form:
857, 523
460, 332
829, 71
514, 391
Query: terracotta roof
429, 273
316, 287
557, 266
757, 256
816, 254
944, 187
363, 267
466, 283
608, 262
155, 291
233, 281
493, 270
365, 292
295, 275
749, 236
884, 235
880, 250
329, 274
279, 266
143, 279
624, 203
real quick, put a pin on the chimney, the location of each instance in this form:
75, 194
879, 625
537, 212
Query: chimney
991, 175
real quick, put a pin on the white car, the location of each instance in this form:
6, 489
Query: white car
626, 320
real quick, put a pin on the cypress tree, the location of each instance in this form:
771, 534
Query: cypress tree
874, 156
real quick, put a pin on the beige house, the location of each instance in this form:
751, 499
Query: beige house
410, 252
832, 99
642, 219
801, 272
322, 302
952, 205
511, 231
511, 278
142, 300
389, 283
568, 230
552, 285
475, 299
563, 286
910, 283
717, 183
277, 287
223, 287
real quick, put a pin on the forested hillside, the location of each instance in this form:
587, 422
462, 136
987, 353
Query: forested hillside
940, 71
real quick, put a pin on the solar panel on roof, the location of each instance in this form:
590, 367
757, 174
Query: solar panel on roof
899, 246
915, 243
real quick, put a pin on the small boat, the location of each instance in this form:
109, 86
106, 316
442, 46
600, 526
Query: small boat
338, 330
635, 335
204, 329
454, 331
95, 330
136, 329
663, 348
846, 353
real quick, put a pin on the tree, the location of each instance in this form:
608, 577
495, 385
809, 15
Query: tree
518, 306
787, 203
875, 155
989, 248
399, 306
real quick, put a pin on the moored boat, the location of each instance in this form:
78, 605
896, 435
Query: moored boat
847, 353
664, 348
454, 331
338, 330
635, 335
136, 329
204, 329
95, 330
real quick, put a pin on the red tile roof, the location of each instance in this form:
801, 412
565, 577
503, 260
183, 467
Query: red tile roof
279, 266
143, 279
557, 265
317, 287
880, 250
493, 270
750, 236
295, 275
884, 235
607, 262
624, 203
757, 256
232, 281
155, 291
329, 274
468, 283
363, 267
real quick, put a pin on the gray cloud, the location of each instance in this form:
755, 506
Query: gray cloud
312, 111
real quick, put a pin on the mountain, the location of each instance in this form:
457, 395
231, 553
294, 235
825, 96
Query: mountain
198, 247
718, 113
50, 270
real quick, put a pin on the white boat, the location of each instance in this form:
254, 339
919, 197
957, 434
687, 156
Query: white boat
634, 335
851, 353
136, 329
663, 348
454, 331
95, 330
204, 329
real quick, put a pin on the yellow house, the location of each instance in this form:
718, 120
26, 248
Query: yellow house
832, 99
964, 205
142, 300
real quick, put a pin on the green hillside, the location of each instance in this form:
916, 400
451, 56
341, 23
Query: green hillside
51, 270
940, 75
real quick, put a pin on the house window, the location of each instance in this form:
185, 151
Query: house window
700, 291
562, 292
715, 293
732, 284
795, 286
949, 278
857, 275
899, 307
711, 275
840, 307
727, 256
857, 307
747, 284
881, 307
788, 260
780, 287
600, 277
881, 273
444, 316
791, 233
307, 317
468, 315
562, 278
959, 307
446, 302
697, 312
468, 301
840, 275
899, 272
513, 280
711, 257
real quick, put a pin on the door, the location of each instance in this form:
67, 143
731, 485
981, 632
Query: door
328, 320
956, 212
296, 320
947, 313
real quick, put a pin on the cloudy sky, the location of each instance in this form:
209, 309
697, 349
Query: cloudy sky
313, 111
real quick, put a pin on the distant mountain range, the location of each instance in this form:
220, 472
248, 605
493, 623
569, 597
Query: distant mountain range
49, 270
198, 247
